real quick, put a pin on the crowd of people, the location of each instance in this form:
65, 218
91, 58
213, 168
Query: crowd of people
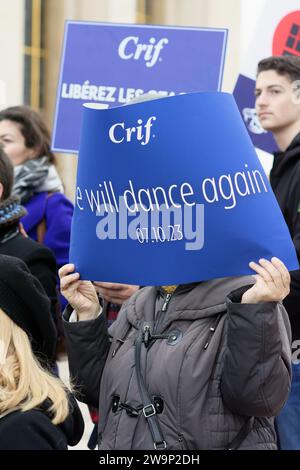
206, 365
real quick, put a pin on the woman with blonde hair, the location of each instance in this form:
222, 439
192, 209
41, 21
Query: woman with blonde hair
37, 412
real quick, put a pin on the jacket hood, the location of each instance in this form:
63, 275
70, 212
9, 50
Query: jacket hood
188, 302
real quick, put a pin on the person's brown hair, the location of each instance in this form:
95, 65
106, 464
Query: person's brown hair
33, 129
6, 174
287, 65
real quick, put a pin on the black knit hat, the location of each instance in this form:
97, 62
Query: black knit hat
24, 300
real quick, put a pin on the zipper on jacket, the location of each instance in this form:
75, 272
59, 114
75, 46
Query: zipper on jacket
165, 304
211, 332
157, 320
120, 342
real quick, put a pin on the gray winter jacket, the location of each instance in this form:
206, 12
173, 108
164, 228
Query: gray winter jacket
221, 363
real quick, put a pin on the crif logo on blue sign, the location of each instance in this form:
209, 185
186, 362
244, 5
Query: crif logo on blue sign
111, 64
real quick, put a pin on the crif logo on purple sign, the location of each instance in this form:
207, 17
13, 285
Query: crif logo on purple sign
110, 64
130, 48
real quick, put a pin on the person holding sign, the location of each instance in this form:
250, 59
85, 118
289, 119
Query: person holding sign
195, 366
278, 109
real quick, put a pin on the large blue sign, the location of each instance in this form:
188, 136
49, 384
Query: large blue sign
111, 64
171, 191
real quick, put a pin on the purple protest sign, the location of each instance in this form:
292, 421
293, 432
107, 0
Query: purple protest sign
245, 99
111, 64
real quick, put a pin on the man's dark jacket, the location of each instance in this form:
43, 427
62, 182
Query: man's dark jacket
285, 182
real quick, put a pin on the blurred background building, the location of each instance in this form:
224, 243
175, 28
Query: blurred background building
31, 37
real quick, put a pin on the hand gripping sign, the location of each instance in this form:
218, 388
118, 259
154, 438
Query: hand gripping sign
171, 191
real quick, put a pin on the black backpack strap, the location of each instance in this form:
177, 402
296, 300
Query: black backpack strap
149, 410
242, 434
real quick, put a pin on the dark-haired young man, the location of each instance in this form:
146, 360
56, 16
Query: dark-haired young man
278, 109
